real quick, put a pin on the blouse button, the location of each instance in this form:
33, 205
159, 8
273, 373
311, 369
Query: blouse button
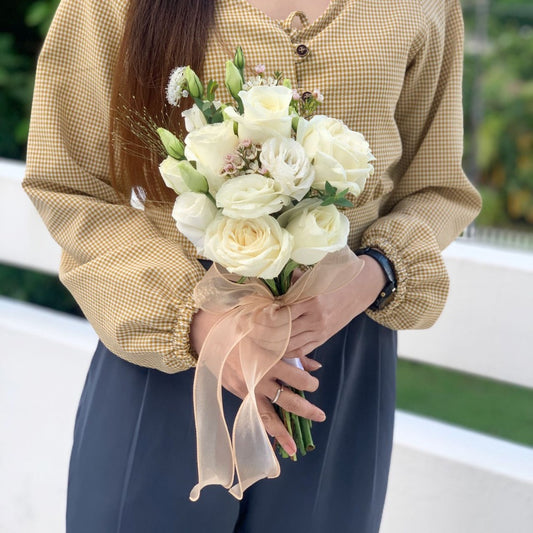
302, 50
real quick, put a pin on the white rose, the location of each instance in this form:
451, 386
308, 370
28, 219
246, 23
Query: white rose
288, 164
208, 146
250, 196
256, 247
317, 230
266, 113
193, 212
194, 118
340, 155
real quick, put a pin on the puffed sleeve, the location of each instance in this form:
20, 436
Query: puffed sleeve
133, 285
432, 201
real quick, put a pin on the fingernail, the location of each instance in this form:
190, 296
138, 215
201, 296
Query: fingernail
291, 449
321, 416
313, 365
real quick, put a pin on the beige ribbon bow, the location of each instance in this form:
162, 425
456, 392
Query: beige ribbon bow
248, 453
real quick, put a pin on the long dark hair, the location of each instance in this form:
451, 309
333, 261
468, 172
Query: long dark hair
158, 36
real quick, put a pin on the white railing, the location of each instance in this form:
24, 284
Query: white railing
443, 478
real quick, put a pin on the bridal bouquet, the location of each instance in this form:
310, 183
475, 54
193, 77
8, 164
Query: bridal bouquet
261, 184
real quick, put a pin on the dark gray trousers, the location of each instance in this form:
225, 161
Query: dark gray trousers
133, 460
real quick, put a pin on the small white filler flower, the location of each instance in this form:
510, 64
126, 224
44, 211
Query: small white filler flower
175, 87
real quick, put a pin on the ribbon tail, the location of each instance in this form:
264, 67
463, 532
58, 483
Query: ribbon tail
255, 458
215, 455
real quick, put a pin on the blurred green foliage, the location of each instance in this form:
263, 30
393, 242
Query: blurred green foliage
481, 404
38, 288
504, 138
22, 29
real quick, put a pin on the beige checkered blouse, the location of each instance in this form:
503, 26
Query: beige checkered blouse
390, 69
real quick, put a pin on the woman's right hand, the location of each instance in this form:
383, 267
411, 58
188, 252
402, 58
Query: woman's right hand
267, 388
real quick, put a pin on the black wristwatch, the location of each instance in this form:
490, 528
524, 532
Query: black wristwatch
390, 286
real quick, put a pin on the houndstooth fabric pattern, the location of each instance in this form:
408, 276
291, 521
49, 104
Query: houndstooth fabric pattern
390, 69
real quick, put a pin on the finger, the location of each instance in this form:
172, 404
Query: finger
294, 403
292, 376
298, 344
303, 350
305, 323
274, 426
303, 308
310, 365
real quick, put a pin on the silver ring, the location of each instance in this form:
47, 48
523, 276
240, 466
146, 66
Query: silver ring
276, 398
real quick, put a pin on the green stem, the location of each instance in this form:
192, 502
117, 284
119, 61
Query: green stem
282, 451
305, 424
288, 425
298, 438
271, 284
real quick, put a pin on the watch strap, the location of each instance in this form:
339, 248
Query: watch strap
390, 286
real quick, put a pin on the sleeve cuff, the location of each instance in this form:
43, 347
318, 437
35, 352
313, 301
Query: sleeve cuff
182, 355
422, 286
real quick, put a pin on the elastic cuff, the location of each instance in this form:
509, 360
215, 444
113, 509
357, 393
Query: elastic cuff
183, 355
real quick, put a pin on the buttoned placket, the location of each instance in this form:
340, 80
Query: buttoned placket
300, 47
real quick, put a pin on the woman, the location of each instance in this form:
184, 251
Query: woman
390, 69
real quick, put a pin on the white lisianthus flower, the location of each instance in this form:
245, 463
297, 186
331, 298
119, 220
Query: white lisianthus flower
288, 164
256, 247
208, 146
340, 155
251, 196
194, 118
266, 113
193, 212
317, 230
181, 176
175, 86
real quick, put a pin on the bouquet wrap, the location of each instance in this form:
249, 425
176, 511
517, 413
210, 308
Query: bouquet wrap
248, 453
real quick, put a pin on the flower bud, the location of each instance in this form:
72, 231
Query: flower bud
182, 177
196, 89
195, 181
172, 144
233, 79
239, 59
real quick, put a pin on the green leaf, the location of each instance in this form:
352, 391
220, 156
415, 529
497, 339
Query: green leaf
343, 202
271, 284
328, 201
329, 189
286, 275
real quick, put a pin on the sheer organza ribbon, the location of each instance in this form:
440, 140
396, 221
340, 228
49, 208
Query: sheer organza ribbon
248, 453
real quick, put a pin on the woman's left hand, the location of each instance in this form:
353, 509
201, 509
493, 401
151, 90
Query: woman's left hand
315, 320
